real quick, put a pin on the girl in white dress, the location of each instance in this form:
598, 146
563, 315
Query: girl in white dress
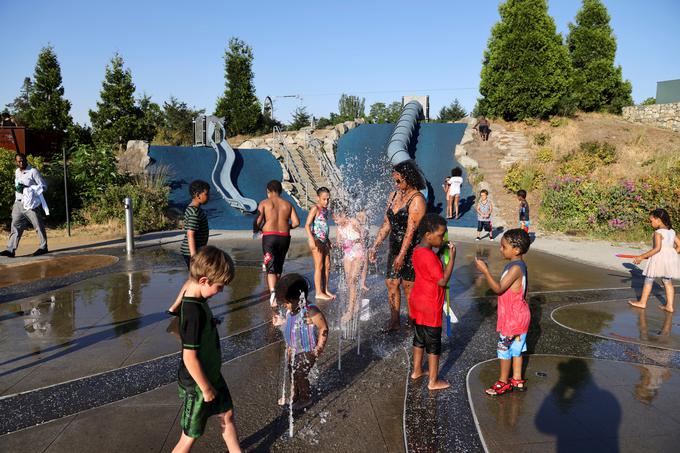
452, 188
664, 261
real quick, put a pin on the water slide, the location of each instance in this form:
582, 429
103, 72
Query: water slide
221, 174
404, 130
366, 166
251, 170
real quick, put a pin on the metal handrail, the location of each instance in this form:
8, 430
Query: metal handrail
329, 170
289, 163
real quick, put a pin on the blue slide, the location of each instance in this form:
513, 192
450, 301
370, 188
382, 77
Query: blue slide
250, 171
221, 174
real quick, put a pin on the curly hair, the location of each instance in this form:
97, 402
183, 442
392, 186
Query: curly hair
518, 238
430, 223
412, 175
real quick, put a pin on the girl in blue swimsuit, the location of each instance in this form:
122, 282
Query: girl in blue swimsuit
319, 243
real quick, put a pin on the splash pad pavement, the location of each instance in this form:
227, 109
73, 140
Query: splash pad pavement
97, 369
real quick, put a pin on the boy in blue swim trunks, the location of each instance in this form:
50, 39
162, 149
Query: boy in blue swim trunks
201, 385
513, 310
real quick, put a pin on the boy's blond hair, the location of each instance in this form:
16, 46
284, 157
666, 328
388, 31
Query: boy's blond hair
213, 264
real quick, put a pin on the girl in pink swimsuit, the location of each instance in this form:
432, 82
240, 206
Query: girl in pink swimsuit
350, 239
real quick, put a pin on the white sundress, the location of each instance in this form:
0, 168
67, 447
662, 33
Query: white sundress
666, 263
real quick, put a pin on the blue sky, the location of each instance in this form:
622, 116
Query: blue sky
379, 50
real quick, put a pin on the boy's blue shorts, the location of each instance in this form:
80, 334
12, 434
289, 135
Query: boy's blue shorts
527, 223
511, 346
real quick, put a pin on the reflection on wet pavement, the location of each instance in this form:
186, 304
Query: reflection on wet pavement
579, 404
617, 320
53, 267
108, 322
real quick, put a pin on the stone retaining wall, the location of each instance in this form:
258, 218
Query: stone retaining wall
666, 116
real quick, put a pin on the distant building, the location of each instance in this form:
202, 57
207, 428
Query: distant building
668, 91
424, 101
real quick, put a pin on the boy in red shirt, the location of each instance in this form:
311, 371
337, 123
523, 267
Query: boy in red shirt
427, 299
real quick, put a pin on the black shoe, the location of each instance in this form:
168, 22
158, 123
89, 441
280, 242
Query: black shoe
41, 252
7, 253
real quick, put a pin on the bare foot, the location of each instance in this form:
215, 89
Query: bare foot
439, 384
637, 304
365, 288
322, 296
665, 308
346, 317
330, 294
418, 374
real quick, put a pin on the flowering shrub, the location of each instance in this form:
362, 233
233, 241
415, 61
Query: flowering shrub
576, 203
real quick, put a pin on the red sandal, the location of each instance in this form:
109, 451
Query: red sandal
519, 385
499, 388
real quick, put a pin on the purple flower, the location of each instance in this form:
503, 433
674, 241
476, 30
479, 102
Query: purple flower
629, 186
618, 224
591, 219
638, 198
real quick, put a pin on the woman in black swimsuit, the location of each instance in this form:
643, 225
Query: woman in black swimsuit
405, 208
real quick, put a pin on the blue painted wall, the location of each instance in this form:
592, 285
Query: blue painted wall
251, 172
361, 156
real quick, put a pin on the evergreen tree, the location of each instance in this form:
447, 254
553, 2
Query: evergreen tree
598, 83
177, 123
239, 106
526, 70
452, 112
300, 119
48, 110
118, 118
20, 106
152, 117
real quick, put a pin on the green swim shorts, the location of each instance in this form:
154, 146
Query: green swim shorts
195, 411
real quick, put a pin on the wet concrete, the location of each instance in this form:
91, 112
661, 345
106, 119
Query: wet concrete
52, 267
619, 321
361, 405
579, 404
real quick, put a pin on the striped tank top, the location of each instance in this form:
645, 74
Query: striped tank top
300, 336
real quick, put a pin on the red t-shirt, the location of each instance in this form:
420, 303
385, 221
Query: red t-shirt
427, 297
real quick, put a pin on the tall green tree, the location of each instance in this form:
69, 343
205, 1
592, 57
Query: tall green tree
351, 107
300, 119
118, 117
452, 112
598, 83
526, 70
48, 110
379, 112
176, 126
239, 106
20, 106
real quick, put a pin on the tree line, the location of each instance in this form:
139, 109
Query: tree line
529, 71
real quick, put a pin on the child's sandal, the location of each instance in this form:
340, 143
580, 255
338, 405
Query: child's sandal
518, 384
499, 388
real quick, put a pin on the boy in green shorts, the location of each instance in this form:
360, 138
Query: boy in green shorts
201, 385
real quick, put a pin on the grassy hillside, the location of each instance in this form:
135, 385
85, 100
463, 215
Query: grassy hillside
598, 175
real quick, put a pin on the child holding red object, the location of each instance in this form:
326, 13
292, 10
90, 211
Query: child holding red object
513, 310
427, 299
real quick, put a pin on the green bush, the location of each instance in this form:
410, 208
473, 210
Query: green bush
149, 199
541, 139
522, 176
589, 156
558, 121
545, 155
